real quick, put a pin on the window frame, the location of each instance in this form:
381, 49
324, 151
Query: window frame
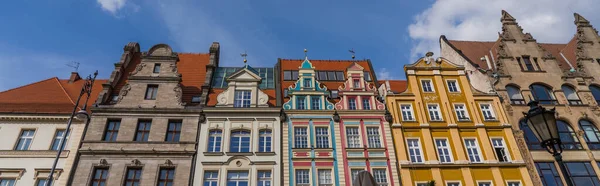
329, 178
568, 88
211, 179
437, 110
418, 148
307, 175
155, 70
490, 110
456, 86
133, 180
547, 90
366, 102
145, 133
312, 103
56, 137
298, 137
465, 110
448, 182
21, 137
385, 176
430, 84
239, 178
477, 148
374, 138
242, 98
591, 173
301, 103
447, 147
176, 133
410, 110
586, 129
352, 105
367, 76
267, 140
520, 101
595, 91
151, 92
243, 133
479, 182
307, 83
113, 132
319, 137
506, 149
216, 138
351, 137
552, 168
263, 180
166, 180
508, 182
104, 180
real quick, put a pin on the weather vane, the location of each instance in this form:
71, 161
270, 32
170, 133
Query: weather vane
352, 52
74, 65
244, 56
305, 51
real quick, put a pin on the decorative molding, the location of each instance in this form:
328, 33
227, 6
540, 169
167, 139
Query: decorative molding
262, 98
179, 95
138, 68
124, 92
222, 97
522, 145
103, 162
32, 153
136, 162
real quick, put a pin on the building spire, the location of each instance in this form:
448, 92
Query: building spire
580, 20
507, 18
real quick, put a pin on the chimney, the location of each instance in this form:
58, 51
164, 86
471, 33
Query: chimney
74, 77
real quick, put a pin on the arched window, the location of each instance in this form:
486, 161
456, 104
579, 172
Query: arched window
214, 140
264, 140
515, 96
532, 142
596, 93
571, 95
240, 141
543, 94
592, 135
567, 136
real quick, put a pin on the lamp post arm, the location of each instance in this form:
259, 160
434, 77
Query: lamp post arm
563, 168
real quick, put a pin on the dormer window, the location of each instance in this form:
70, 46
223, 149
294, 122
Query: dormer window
352, 104
156, 68
307, 83
334, 94
367, 76
114, 97
356, 83
151, 92
242, 98
527, 64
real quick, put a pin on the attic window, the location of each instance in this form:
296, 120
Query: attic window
114, 97
367, 76
156, 68
334, 94
195, 99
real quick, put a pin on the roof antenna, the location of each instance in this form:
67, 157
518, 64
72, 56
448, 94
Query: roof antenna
352, 52
74, 65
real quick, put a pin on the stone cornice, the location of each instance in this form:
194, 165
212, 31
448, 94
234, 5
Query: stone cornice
40, 117
109, 110
32, 153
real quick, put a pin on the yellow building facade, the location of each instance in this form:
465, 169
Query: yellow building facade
446, 131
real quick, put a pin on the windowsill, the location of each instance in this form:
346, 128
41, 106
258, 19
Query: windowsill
239, 153
409, 121
541, 71
491, 119
377, 149
464, 120
579, 105
295, 148
214, 153
437, 121
264, 153
328, 148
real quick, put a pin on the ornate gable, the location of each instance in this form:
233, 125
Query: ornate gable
307, 93
245, 82
356, 93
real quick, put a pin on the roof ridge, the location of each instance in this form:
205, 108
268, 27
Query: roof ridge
192, 53
332, 60
65, 91
26, 85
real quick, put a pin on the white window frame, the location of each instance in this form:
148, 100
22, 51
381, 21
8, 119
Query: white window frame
409, 110
509, 159
453, 181
296, 177
378, 138
385, 171
352, 176
419, 148
417, 183
439, 113
437, 148
513, 181
491, 111
485, 181
325, 136
326, 179
466, 112
357, 135
479, 155
239, 96
21, 137
264, 179
204, 180
455, 84
305, 136
430, 85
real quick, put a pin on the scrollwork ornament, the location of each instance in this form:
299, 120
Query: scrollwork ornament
124, 92
178, 94
138, 68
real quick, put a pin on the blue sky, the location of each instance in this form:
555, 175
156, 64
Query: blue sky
39, 37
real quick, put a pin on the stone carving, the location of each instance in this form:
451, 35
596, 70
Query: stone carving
502, 50
173, 67
138, 68
136, 162
581, 35
169, 162
505, 35
124, 92
222, 97
522, 144
262, 98
580, 133
596, 110
103, 162
507, 106
178, 94
547, 55
590, 99
528, 37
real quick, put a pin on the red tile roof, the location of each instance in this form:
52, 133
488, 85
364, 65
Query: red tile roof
50, 96
397, 86
191, 66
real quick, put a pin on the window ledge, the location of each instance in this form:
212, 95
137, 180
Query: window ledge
265, 153
534, 71
239, 153
437, 121
494, 119
213, 153
465, 120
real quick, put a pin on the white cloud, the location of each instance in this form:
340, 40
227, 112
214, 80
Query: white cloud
549, 21
112, 6
383, 74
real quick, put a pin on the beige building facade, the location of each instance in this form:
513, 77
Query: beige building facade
518, 69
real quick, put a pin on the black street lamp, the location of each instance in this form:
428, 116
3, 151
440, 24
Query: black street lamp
388, 116
336, 116
543, 124
82, 114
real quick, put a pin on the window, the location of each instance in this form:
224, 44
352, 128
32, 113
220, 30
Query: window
325, 177
352, 103
366, 103
453, 86
294, 75
407, 113
301, 103
322, 137
414, 150
443, 150
434, 113
488, 113
114, 98
513, 183
380, 177
302, 177
300, 137
423, 184
322, 75
151, 92
354, 173
242, 98
334, 94
571, 95
143, 130
112, 130
173, 131
340, 76
39, 182
373, 137
543, 94
285, 93
214, 141
367, 76
461, 112
25, 139
264, 178
7, 182
237, 178
532, 142
331, 76
582, 173
166, 176
596, 93
133, 177
316, 103
264, 141
290, 75
156, 68
356, 83
195, 99
528, 64
472, 150
307, 83
427, 87
211, 178
548, 173
515, 96
240, 141
486, 183
353, 137
100, 176
453, 184
567, 135
501, 150
58, 138
592, 135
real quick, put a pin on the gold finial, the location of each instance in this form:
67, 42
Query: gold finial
352, 52
305, 52
244, 56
